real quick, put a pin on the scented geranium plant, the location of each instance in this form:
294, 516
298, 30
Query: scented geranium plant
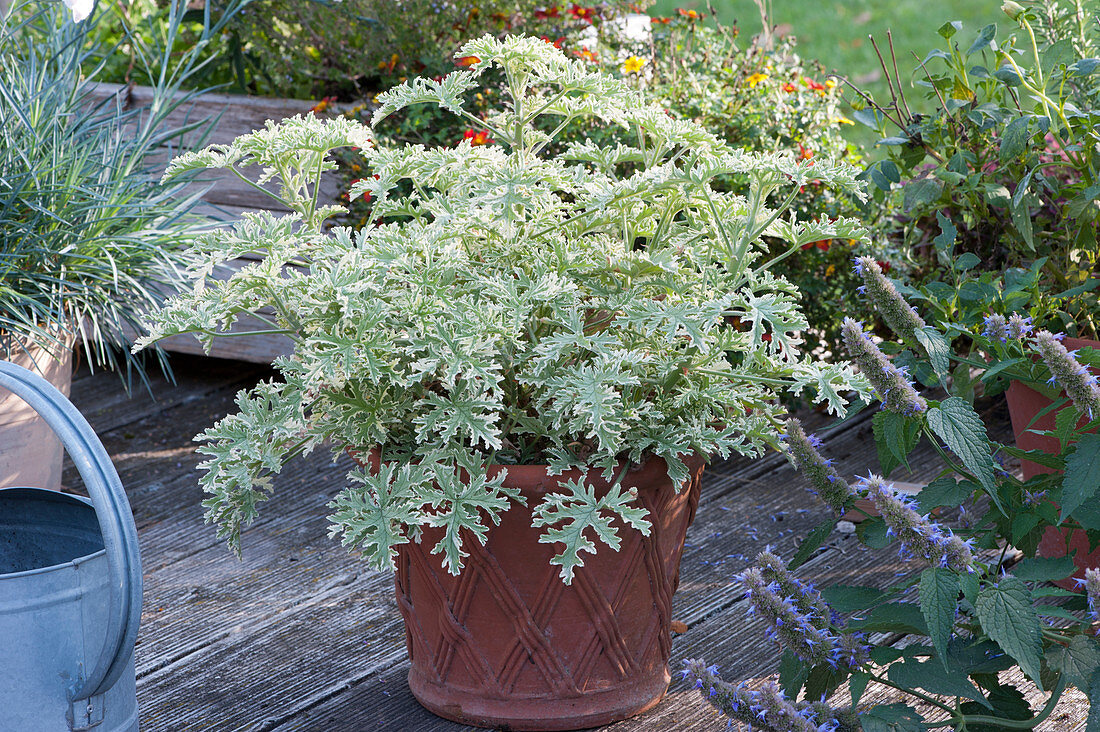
978, 601
588, 310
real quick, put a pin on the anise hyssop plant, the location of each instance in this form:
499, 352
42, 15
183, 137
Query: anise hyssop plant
590, 309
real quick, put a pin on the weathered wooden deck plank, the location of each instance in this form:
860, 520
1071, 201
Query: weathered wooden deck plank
301, 636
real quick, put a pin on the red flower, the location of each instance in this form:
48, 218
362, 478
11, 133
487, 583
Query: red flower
582, 13
886, 266
467, 61
690, 14
556, 44
804, 153
477, 137
661, 21
811, 84
789, 87
551, 12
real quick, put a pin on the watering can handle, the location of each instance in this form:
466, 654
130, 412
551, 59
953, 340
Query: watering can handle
116, 521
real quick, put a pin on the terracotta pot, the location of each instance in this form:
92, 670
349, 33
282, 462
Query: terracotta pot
507, 644
30, 453
1023, 404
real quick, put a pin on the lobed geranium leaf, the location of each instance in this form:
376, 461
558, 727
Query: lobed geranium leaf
579, 514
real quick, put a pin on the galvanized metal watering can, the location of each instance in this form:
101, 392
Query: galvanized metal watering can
70, 587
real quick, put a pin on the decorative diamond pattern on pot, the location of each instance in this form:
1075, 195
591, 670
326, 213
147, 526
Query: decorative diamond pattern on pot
508, 628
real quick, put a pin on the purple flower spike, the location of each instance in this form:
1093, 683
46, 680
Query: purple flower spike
898, 314
806, 633
996, 328
919, 535
895, 391
1019, 327
1092, 591
1080, 385
827, 483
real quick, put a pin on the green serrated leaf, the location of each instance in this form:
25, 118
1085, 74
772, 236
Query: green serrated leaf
939, 600
1093, 724
895, 717
1044, 569
961, 429
892, 617
850, 598
1082, 476
934, 678
1014, 138
874, 533
812, 541
857, 685
1008, 617
824, 680
945, 491
1078, 660
938, 350
793, 673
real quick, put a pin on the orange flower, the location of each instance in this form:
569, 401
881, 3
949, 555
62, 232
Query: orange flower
690, 14
804, 153
556, 44
465, 61
322, 105
822, 244
389, 65
790, 88
811, 84
582, 13
587, 55
551, 12
477, 137
660, 21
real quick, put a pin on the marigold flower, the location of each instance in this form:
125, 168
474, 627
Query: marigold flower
802, 451
1080, 384
830, 270
890, 382
896, 312
830, 83
919, 535
790, 88
755, 79
465, 61
690, 14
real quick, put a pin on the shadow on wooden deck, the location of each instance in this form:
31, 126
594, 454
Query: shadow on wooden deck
301, 636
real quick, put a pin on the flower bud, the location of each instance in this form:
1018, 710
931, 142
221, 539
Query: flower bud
1012, 9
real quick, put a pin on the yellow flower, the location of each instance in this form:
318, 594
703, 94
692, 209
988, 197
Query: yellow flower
633, 65
830, 83
756, 79
841, 121
830, 270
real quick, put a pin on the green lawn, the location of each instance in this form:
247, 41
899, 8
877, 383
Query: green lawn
836, 31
